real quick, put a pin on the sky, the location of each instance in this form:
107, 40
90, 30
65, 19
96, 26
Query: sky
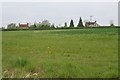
59, 12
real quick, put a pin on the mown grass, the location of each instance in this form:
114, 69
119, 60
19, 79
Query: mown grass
81, 53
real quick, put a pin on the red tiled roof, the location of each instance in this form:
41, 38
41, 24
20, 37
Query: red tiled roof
23, 25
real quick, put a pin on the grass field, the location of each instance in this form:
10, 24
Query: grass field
81, 53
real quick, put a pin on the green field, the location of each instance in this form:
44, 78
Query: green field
67, 53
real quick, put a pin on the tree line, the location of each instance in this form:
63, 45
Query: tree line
71, 25
50, 27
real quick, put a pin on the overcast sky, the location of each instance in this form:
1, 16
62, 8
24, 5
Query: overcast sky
59, 12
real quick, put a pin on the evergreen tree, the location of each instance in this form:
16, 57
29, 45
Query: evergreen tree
35, 25
80, 23
65, 26
71, 24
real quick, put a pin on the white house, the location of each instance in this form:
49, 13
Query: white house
91, 24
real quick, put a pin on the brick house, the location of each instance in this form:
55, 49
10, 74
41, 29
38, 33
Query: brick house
23, 25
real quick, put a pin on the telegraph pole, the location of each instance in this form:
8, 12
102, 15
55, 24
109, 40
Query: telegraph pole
91, 18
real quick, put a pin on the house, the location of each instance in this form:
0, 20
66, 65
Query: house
91, 24
45, 22
23, 25
11, 26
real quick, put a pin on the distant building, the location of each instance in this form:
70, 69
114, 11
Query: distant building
91, 24
23, 25
11, 26
45, 22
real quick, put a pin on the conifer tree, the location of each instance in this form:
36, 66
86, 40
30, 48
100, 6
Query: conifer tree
71, 24
65, 26
80, 23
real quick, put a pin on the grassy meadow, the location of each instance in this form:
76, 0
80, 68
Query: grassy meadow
67, 53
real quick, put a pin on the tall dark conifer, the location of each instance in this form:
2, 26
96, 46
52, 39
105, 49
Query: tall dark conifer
80, 23
71, 24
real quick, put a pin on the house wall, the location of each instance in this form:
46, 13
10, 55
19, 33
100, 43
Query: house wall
92, 25
23, 26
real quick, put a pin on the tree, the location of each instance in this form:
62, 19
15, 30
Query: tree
32, 27
65, 26
111, 23
80, 23
52, 26
71, 24
35, 25
2, 28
